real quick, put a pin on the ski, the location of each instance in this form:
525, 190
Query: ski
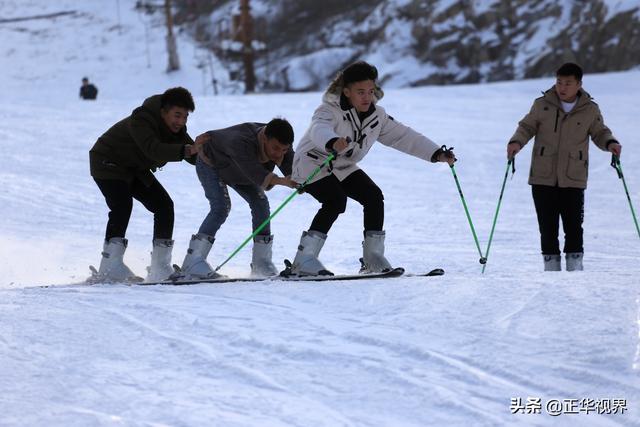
396, 272
434, 272
222, 279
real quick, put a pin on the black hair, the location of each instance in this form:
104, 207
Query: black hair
359, 71
281, 130
177, 97
570, 69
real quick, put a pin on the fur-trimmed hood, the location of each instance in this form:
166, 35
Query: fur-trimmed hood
334, 90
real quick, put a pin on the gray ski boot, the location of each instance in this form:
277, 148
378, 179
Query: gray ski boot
160, 268
373, 259
112, 267
261, 263
306, 262
551, 262
574, 261
195, 265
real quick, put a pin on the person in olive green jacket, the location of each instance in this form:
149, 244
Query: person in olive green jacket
121, 164
562, 120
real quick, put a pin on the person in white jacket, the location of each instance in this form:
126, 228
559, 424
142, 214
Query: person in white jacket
347, 124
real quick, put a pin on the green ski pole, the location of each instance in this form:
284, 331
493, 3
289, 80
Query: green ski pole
282, 205
615, 163
466, 210
495, 217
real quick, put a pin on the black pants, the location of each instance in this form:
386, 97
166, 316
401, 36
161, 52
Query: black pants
119, 195
553, 203
333, 195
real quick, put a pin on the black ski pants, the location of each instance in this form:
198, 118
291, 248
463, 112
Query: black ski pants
333, 194
553, 203
119, 195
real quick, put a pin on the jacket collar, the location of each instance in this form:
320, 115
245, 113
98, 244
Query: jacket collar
345, 105
262, 154
552, 97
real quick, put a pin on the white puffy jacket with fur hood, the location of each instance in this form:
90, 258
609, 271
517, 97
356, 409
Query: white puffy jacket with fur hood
335, 118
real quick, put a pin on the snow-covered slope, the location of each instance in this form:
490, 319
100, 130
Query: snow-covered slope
446, 351
121, 49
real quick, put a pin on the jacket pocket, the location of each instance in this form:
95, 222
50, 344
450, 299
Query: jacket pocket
542, 162
315, 156
577, 166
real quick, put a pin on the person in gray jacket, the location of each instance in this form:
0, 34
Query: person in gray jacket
348, 123
242, 157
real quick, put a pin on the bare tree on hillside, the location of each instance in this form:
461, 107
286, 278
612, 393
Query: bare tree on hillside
172, 50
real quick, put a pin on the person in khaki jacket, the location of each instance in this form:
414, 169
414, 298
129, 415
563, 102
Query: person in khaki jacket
562, 120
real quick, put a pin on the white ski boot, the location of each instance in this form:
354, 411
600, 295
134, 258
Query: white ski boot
551, 262
373, 259
112, 267
261, 259
160, 268
574, 261
195, 265
306, 262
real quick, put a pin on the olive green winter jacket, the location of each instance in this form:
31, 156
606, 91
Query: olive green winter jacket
137, 145
560, 154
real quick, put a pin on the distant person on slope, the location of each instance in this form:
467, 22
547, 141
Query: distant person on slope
88, 91
562, 120
348, 123
242, 157
122, 162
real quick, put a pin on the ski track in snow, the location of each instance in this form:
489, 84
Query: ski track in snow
285, 342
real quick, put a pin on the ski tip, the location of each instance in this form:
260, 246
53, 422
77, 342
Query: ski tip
394, 272
435, 272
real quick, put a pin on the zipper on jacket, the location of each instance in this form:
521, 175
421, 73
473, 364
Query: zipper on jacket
555, 128
356, 128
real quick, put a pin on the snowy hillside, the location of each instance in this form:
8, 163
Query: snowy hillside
121, 49
417, 42
464, 349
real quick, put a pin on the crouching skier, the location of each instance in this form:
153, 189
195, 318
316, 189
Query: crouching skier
122, 162
348, 123
242, 157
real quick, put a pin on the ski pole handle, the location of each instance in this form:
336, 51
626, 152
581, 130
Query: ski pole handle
615, 163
